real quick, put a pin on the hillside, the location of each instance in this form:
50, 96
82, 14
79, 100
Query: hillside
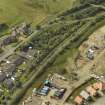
28, 56
67, 31
14, 11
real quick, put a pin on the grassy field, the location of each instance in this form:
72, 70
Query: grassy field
14, 11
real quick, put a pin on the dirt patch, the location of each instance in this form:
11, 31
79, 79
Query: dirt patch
96, 43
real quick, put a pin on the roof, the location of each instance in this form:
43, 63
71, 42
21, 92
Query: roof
98, 85
91, 90
46, 88
9, 83
78, 100
10, 68
9, 39
84, 94
2, 77
103, 86
18, 60
91, 51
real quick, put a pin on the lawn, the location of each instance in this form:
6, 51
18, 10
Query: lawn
14, 11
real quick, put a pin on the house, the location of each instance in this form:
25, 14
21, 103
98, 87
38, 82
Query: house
19, 60
91, 91
9, 83
24, 29
85, 95
99, 86
14, 33
2, 77
79, 100
16, 60
27, 47
10, 69
9, 39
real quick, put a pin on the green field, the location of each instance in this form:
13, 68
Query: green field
15, 11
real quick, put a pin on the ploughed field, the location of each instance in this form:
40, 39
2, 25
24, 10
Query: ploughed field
70, 28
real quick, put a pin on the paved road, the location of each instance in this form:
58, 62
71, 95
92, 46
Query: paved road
100, 101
